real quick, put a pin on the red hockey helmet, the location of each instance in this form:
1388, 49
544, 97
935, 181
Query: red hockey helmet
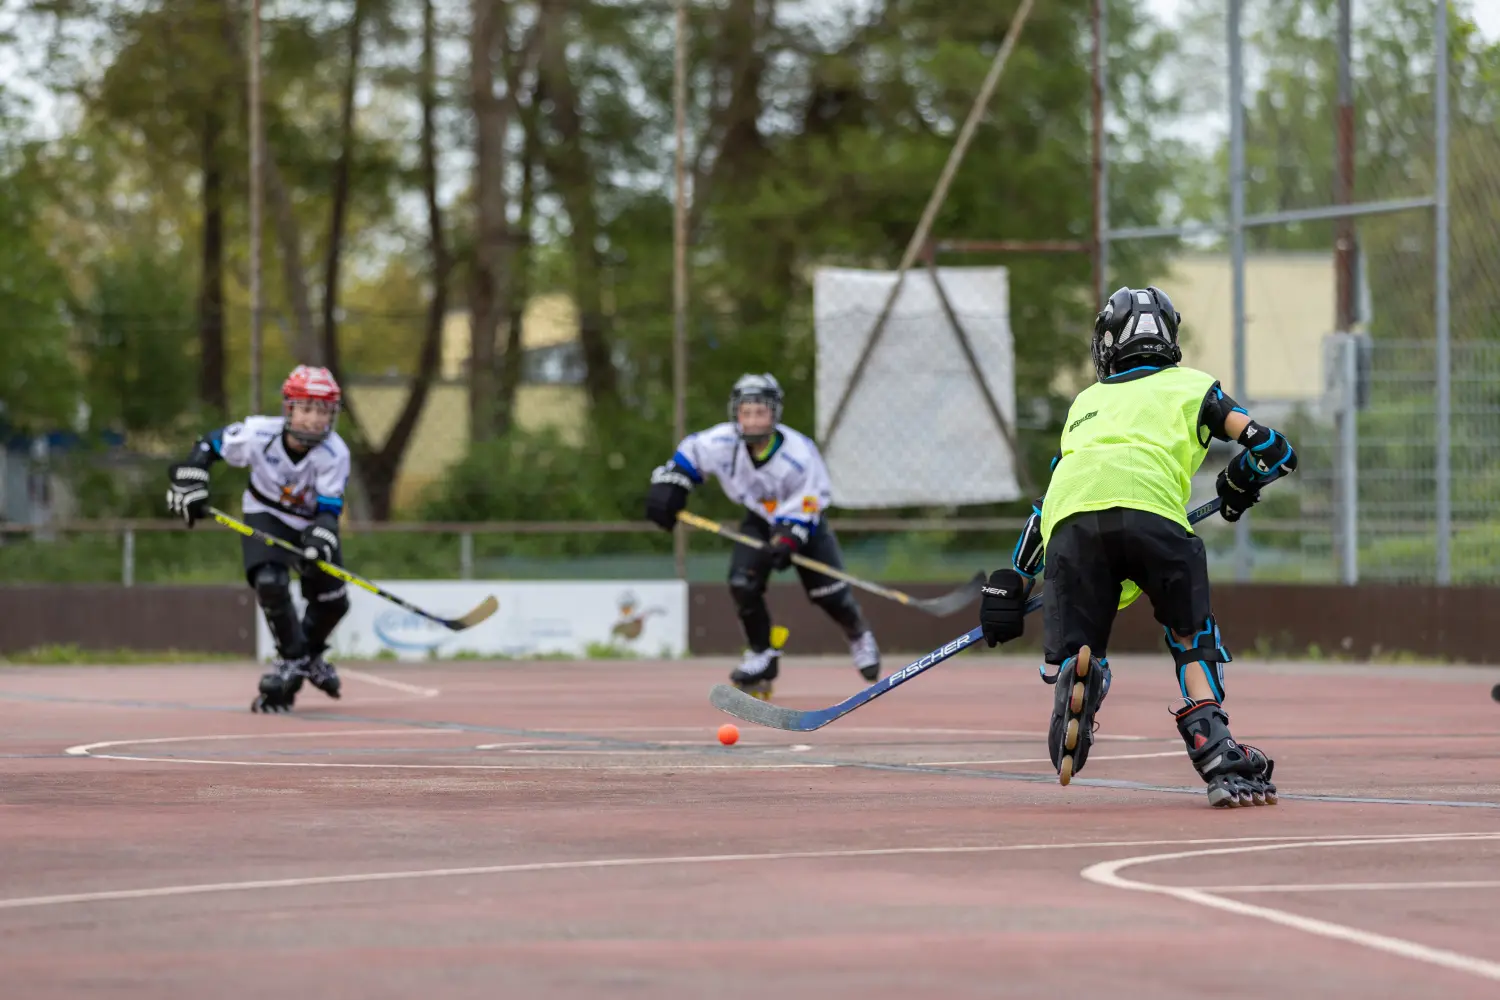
310, 400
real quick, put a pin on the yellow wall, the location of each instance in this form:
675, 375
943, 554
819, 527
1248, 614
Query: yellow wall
441, 437
1290, 303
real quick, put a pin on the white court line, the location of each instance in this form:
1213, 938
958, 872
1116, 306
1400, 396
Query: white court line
386, 682
87, 749
1347, 886
898, 731
201, 888
1043, 760
1107, 873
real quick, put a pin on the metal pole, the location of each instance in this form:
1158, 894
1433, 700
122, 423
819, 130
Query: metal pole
257, 197
1343, 244
1101, 152
679, 263
127, 558
1237, 248
1348, 362
466, 555
1444, 363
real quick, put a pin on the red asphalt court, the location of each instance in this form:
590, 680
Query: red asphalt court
575, 830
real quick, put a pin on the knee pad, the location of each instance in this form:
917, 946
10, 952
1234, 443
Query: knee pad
328, 607
747, 588
1205, 649
837, 601
273, 586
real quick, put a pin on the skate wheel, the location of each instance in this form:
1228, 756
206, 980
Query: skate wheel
1495, 692
1065, 770
1075, 703
1070, 736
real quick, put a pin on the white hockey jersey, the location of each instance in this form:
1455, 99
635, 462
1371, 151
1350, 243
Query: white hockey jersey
792, 485
292, 491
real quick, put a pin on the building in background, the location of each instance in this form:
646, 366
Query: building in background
551, 394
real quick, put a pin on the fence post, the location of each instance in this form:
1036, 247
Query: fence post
127, 558
466, 555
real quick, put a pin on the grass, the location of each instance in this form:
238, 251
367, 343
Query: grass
72, 655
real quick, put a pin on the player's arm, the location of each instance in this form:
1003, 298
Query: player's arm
187, 497
320, 539
804, 498
1267, 454
671, 483
1002, 606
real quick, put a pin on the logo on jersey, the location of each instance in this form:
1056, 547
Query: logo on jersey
809, 505
292, 496
1087, 416
769, 504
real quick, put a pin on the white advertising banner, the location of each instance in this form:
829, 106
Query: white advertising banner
649, 618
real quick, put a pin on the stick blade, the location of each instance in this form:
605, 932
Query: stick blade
483, 610
730, 699
952, 603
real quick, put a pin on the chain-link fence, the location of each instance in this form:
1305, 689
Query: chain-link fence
1356, 189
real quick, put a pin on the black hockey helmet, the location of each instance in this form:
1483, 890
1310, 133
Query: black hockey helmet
762, 388
1138, 325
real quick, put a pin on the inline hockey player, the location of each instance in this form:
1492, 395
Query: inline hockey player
1112, 526
299, 468
779, 476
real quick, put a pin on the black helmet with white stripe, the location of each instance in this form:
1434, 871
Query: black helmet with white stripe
1137, 327
762, 388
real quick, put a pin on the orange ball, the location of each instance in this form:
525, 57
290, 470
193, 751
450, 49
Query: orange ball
729, 734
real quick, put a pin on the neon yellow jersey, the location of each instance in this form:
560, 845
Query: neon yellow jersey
1134, 441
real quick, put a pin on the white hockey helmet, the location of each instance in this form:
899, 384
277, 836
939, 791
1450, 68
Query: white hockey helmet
762, 388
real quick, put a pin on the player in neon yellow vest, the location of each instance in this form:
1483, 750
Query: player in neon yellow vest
1113, 527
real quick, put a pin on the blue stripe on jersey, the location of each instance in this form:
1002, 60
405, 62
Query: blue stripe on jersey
332, 504
681, 461
794, 463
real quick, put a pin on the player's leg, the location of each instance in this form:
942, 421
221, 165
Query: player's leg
1081, 596
748, 577
1171, 568
268, 571
327, 602
836, 598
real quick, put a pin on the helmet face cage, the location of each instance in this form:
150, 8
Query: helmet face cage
314, 390
1135, 323
756, 389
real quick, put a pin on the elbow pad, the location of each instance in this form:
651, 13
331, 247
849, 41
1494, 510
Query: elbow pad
1268, 453
1027, 558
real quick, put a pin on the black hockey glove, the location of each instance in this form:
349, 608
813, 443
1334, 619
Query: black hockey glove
319, 541
669, 491
188, 495
1002, 608
1267, 457
787, 540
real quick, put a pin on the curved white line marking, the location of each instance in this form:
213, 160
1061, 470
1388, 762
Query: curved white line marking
1107, 873
386, 682
193, 889
87, 749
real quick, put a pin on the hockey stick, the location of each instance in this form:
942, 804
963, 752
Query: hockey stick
483, 610
940, 607
730, 699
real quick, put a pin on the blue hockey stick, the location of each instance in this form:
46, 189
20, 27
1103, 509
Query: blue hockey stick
730, 699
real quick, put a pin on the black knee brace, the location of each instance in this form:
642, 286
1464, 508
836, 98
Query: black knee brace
324, 612
748, 589
837, 601
1206, 650
273, 592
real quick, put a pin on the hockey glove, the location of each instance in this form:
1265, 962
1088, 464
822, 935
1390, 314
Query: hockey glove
319, 541
1267, 457
1002, 608
188, 495
669, 491
786, 541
